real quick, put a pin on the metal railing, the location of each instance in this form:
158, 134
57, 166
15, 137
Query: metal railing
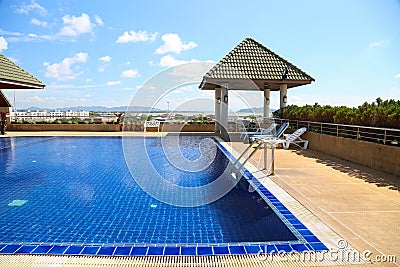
386, 136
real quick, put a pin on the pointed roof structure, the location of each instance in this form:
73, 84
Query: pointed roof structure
14, 77
4, 101
254, 62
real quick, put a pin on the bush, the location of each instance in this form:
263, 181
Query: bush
377, 114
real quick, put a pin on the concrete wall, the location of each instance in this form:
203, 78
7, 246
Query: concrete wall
109, 127
376, 156
64, 127
187, 127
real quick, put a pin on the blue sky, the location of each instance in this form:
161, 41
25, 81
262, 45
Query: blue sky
101, 52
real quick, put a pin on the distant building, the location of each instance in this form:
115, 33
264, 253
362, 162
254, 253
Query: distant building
45, 115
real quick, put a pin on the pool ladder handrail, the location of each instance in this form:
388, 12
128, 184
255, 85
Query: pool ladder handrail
272, 140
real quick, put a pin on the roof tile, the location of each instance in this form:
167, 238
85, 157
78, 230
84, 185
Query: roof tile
252, 60
9, 71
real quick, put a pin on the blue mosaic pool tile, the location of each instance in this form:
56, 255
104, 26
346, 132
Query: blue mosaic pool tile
271, 249
294, 221
25, 249
89, 250
285, 248
73, 250
237, 250
155, 251
10, 249
312, 243
42, 249
106, 251
188, 251
204, 251
172, 251
122, 251
285, 211
304, 232
138, 251
289, 216
221, 250
252, 249
299, 226
299, 247
311, 239
318, 246
57, 250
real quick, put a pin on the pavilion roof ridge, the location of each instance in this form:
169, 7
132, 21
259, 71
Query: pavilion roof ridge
252, 60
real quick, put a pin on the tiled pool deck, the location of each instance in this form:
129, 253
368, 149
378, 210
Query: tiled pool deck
339, 200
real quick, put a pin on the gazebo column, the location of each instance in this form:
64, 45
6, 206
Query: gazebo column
283, 97
217, 110
266, 104
224, 109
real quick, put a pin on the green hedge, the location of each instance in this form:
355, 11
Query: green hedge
376, 114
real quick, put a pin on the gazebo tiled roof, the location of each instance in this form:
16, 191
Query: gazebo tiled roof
253, 61
14, 77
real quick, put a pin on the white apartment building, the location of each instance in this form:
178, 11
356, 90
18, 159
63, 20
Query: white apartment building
47, 115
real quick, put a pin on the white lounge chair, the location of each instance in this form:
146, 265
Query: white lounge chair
295, 139
276, 135
259, 131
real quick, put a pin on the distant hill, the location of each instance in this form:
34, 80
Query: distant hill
254, 110
97, 108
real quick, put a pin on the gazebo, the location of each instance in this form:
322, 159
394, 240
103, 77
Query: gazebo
251, 66
14, 77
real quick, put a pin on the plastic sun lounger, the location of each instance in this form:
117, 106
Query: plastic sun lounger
295, 139
260, 131
277, 134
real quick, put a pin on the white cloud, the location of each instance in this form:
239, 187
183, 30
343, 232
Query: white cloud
71, 86
124, 89
130, 73
105, 59
111, 83
3, 44
26, 8
75, 26
23, 37
99, 21
135, 37
13, 59
397, 75
62, 71
375, 44
170, 61
38, 22
173, 43
102, 69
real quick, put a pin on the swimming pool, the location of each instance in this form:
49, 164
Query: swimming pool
76, 195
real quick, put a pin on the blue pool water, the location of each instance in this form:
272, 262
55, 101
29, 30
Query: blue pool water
78, 190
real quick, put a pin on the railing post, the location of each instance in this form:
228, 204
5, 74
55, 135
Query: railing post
384, 138
337, 130
321, 128
358, 132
